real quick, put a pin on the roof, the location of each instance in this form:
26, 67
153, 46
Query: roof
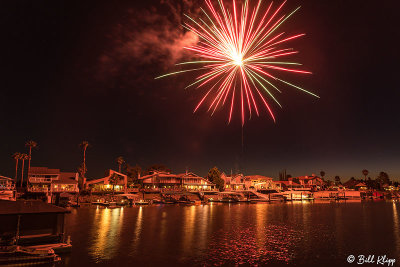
258, 177
360, 184
6, 178
170, 175
43, 170
66, 178
286, 182
307, 177
28, 207
104, 179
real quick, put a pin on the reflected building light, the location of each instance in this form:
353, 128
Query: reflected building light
188, 228
396, 226
138, 230
106, 233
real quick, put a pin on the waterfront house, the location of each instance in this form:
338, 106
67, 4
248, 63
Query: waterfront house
287, 185
7, 188
235, 182
311, 182
361, 186
31, 223
104, 185
165, 181
45, 180
260, 182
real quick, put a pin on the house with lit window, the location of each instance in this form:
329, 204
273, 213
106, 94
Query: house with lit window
235, 182
46, 180
105, 184
7, 188
165, 181
311, 182
287, 185
260, 182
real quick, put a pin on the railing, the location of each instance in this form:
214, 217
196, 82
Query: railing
65, 190
7, 187
106, 190
39, 180
38, 189
132, 189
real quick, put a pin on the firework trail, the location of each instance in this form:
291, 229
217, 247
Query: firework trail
239, 53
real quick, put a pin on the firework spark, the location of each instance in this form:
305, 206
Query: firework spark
239, 53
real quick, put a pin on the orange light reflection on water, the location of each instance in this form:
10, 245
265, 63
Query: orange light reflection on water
105, 233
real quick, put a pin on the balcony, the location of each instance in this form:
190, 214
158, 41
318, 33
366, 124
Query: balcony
39, 180
35, 189
66, 189
7, 187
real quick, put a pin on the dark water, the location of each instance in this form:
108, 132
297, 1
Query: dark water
306, 234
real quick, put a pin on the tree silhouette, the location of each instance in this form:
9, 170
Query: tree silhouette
120, 161
214, 176
16, 156
365, 173
23, 158
30, 144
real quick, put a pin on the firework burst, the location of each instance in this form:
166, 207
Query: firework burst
240, 52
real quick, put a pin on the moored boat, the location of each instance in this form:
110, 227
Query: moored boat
142, 202
17, 256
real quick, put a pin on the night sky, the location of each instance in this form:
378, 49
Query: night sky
84, 70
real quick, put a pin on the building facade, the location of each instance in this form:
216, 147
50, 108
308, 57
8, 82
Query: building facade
7, 188
239, 182
165, 181
105, 184
235, 182
311, 182
45, 180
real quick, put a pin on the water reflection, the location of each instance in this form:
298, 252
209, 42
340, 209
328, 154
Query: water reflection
105, 233
250, 239
188, 228
218, 234
138, 231
396, 226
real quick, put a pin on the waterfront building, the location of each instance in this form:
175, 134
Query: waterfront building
7, 188
287, 185
311, 182
104, 185
235, 182
361, 186
45, 180
260, 182
165, 181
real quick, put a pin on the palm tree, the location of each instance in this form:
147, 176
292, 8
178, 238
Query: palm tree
23, 158
120, 161
365, 173
322, 173
84, 145
113, 180
31, 144
17, 157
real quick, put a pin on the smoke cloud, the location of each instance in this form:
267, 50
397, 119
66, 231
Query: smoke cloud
152, 36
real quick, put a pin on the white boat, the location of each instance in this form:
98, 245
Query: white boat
296, 195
